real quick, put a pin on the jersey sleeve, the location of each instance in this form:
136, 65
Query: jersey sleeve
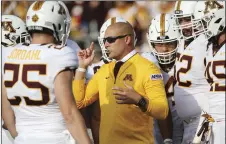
62, 60
74, 46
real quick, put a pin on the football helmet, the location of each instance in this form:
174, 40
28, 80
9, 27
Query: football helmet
184, 10
13, 31
204, 12
102, 33
162, 31
217, 23
49, 16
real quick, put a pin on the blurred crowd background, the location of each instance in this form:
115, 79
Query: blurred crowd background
88, 17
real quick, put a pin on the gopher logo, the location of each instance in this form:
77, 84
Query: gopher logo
7, 26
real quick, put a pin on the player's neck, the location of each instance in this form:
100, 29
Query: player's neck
40, 38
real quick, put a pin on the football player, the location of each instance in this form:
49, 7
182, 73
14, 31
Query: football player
189, 70
215, 74
13, 32
164, 42
210, 15
38, 81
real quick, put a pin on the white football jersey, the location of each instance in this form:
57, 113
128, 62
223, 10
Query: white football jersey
29, 73
191, 83
169, 82
149, 56
215, 75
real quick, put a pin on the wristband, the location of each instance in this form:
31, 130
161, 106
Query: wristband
81, 69
168, 141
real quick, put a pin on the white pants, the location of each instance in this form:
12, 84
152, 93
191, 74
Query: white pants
218, 133
190, 127
177, 130
6, 137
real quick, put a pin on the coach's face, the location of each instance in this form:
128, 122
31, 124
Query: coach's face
114, 43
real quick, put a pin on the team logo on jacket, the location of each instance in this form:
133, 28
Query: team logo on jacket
128, 77
156, 77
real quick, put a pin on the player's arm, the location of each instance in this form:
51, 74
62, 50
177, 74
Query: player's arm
166, 127
157, 105
64, 96
8, 114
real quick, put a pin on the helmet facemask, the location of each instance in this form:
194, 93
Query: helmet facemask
183, 14
66, 26
164, 58
204, 13
186, 30
163, 40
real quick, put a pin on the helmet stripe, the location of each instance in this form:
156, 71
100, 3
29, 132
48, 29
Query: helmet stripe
178, 4
38, 5
162, 25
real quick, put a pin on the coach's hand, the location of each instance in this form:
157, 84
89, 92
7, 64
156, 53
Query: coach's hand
85, 57
126, 95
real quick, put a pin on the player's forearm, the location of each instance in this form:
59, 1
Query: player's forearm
9, 118
166, 127
76, 126
9, 123
12, 130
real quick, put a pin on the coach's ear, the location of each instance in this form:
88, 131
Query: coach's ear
128, 39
